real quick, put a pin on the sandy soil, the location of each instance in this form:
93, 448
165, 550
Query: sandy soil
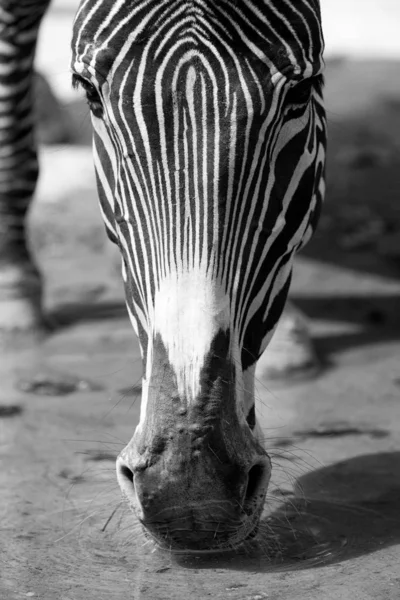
331, 528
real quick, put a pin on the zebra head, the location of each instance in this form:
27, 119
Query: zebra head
209, 146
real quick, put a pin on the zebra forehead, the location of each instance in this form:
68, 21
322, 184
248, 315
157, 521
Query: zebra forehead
285, 36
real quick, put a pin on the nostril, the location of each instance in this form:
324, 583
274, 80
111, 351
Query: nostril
255, 476
126, 473
125, 479
257, 485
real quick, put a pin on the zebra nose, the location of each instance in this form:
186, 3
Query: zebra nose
250, 494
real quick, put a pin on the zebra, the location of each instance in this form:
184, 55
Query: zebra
209, 143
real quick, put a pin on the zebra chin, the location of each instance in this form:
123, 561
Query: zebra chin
197, 533
194, 473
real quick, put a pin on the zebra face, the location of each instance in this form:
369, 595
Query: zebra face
209, 146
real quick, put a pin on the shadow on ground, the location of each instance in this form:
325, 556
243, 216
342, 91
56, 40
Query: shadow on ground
377, 319
346, 510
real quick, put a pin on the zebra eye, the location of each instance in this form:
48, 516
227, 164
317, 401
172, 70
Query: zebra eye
300, 93
92, 95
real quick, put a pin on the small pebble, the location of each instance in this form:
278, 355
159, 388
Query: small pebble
235, 586
162, 570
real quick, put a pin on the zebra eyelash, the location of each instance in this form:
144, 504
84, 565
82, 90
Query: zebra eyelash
92, 95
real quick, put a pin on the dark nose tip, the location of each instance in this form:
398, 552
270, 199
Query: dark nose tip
151, 492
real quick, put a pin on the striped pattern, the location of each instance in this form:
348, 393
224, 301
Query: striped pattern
209, 146
209, 149
19, 22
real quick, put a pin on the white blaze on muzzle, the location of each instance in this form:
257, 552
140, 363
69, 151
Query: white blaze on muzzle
190, 308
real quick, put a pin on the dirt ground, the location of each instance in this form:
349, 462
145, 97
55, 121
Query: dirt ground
331, 528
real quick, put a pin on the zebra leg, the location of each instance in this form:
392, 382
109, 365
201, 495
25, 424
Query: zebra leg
20, 282
290, 353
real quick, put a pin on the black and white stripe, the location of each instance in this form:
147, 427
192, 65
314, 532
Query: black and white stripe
209, 145
209, 148
19, 23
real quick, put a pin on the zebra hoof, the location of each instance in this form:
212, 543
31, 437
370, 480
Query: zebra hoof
290, 355
21, 321
20, 303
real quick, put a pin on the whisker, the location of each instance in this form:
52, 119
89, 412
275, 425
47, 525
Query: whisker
110, 517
